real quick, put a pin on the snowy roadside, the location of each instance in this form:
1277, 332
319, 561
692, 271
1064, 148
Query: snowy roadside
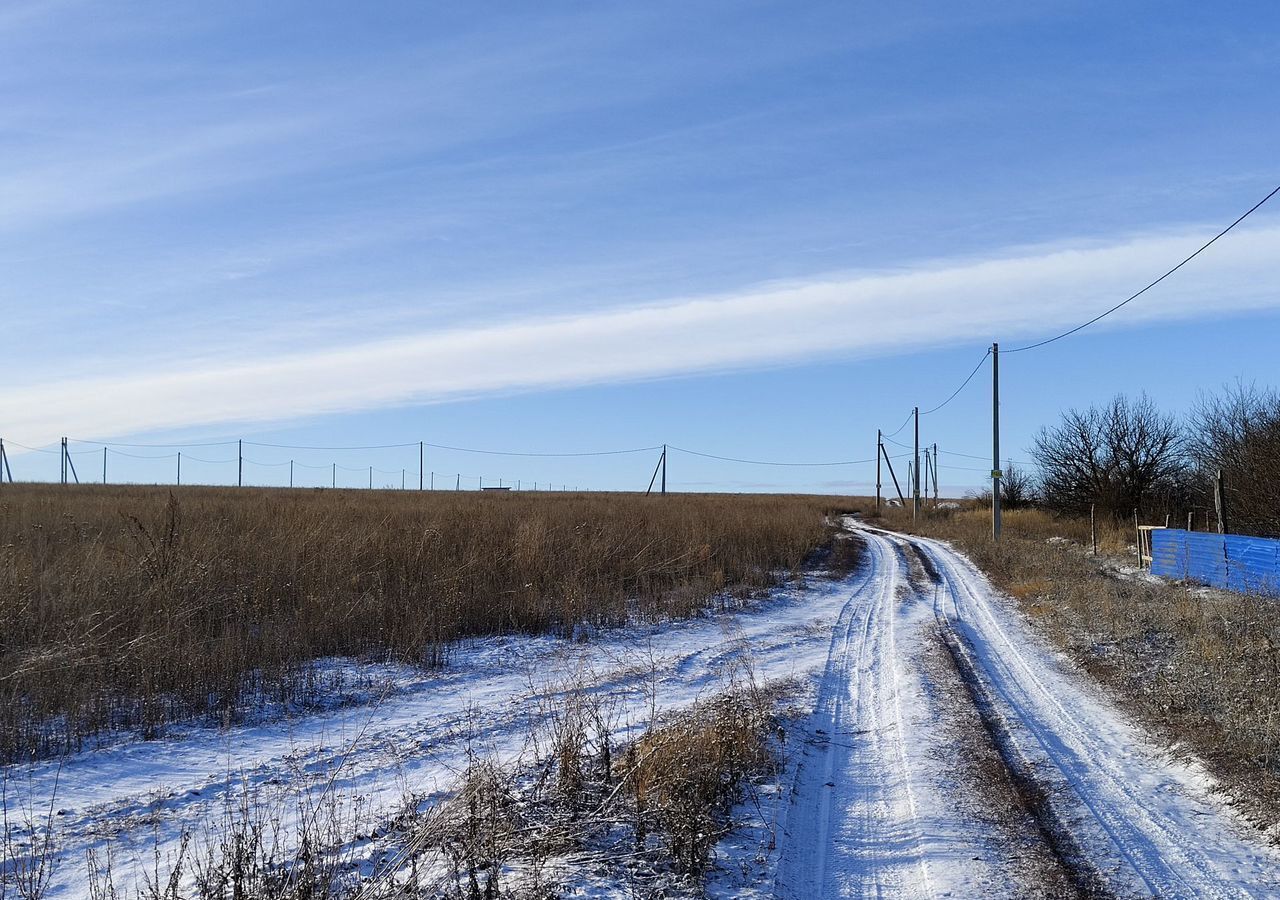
135, 802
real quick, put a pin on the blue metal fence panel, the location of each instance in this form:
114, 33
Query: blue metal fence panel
1233, 562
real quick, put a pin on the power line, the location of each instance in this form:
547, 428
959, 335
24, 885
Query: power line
299, 447
761, 462
175, 446
553, 455
956, 392
902, 426
1203, 247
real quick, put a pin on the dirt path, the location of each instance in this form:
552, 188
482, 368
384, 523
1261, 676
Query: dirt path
870, 813
949, 752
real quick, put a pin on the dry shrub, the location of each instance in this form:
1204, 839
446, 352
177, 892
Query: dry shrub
685, 777
131, 607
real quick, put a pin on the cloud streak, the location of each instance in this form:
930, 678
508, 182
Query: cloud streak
851, 316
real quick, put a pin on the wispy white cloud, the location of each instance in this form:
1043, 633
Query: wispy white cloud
848, 316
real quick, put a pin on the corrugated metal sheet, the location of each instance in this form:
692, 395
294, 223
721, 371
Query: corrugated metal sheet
1234, 562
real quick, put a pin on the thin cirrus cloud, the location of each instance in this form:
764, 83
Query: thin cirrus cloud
1020, 294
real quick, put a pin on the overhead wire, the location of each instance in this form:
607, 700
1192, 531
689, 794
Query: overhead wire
956, 392
1203, 247
761, 462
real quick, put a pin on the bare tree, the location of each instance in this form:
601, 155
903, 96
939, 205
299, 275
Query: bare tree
1017, 487
1123, 456
1237, 432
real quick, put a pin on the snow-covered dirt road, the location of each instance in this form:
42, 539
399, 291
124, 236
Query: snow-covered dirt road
949, 752
880, 807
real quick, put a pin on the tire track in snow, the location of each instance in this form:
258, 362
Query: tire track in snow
852, 829
1148, 829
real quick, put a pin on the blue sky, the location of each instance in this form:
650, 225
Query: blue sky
758, 230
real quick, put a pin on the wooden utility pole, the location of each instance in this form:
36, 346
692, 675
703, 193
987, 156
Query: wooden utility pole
422, 461
371, 478
4, 464
402, 480
995, 442
935, 474
179, 467
1220, 503
104, 465
879, 443
664, 469
915, 472
64, 461
290, 473
333, 482
240, 463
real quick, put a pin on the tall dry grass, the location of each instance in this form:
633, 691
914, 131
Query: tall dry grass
1202, 667
130, 607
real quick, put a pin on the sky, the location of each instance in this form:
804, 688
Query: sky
753, 230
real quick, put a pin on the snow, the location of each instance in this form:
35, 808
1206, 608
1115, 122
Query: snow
870, 801
412, 738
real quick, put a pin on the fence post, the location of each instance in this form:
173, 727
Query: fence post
1137, 534
1220, 503
1093, 527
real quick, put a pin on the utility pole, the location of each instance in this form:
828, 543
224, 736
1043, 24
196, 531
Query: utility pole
104, 465
664, 469
240, 463
995, 442
422, 457
290, 473
879, 443
179, 467
458, 485
334, 480
4, 464
915, 473
935, 474
68, 467
371, 478
402, 480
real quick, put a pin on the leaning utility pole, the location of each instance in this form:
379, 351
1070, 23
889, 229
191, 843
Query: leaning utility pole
915, 472
4, 464
995, 442
879, 443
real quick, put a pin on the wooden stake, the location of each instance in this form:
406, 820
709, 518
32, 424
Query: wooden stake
1093, 528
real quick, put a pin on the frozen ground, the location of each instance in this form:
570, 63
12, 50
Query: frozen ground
948, 753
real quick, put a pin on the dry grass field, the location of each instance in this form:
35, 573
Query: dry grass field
132, 607
1201, 666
